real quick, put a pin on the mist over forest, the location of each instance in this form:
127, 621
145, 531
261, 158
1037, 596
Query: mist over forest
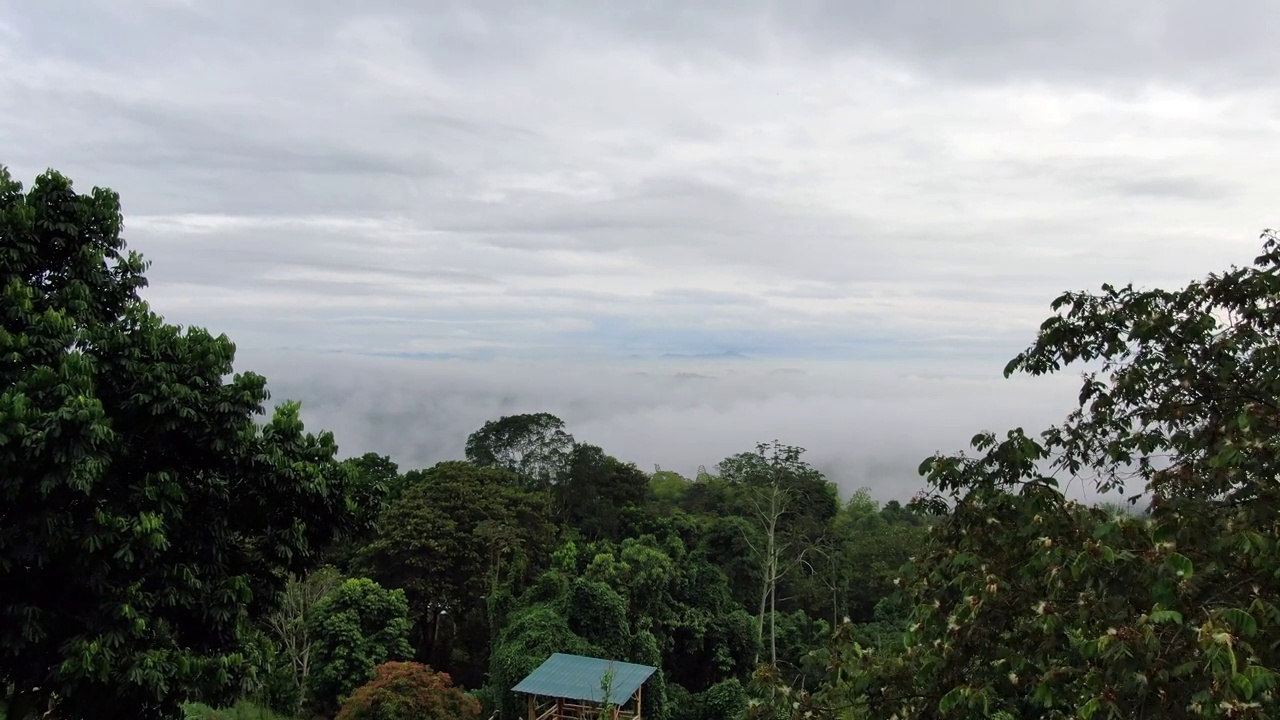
864, 423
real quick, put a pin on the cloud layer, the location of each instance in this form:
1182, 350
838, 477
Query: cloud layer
865, 424
584, 184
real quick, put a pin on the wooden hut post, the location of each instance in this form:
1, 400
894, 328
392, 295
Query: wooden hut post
639, 697
533, 708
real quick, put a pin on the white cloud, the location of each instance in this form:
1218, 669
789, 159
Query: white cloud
811, 180
866, 423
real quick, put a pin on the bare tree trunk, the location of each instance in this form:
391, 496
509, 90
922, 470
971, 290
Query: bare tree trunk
835, 591
773, 613
304, 665
774, 512
769, 571
764, 600
835, 609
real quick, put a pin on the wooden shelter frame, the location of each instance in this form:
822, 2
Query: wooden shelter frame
565, 709
577, 687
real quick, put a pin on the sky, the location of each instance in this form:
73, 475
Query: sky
682, 227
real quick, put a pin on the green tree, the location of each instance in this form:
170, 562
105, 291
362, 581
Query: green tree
728, 543
534, 446
1028, 604
409, 691
599, 494
357, 627
145, 517
582, 615
725, 700
598, 614
379, 472
685, 601
292, 627
375, 483
667, 491
270, 682
861, 555
457, 534
666, 595
656, 695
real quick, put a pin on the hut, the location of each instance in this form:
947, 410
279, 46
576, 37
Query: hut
572, 687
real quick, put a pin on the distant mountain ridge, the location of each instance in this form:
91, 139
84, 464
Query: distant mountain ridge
726, 355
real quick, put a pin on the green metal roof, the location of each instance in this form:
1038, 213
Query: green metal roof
574, 677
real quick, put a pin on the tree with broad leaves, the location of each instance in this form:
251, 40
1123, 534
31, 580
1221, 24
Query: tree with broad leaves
375, 483
534, 446
379, 477
145, 517
354, 629
1028, 604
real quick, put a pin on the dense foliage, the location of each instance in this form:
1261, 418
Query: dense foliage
357, 627
1028, 604
145, 517
457, 533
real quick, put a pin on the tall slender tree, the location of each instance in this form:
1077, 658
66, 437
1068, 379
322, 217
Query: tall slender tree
774, 482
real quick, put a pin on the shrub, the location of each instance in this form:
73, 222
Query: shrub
725, 699
243, 710
409, 691
357, 627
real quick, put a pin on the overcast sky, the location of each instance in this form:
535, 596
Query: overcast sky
874, 202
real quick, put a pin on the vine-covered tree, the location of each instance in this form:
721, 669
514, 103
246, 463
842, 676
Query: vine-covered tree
144, 515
